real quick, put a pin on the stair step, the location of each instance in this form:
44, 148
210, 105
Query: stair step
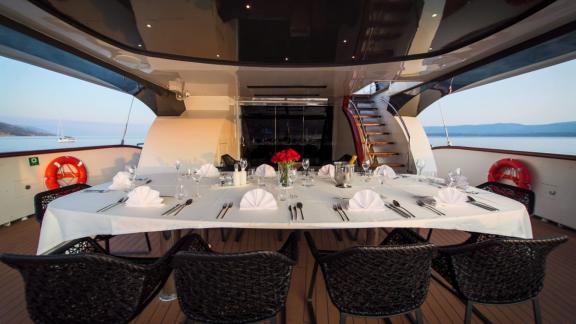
367, 116
377, 133
379, 143
371, 124
381, 154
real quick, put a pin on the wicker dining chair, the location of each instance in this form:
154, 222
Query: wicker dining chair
42, 199
524, 196
81, 283
374, 281
233, 288
496, 270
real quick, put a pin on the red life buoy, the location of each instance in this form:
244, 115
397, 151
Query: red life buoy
67, 170
510, 169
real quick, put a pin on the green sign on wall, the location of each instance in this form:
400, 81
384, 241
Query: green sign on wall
33, 161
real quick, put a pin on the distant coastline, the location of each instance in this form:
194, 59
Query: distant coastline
564, 129
14, 130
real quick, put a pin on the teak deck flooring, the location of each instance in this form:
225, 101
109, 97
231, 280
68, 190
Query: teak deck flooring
558, 299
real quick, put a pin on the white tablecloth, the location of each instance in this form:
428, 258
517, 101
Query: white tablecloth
75, 216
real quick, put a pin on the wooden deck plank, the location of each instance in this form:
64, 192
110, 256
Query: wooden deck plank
558, 300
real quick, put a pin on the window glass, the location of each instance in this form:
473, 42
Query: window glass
41, 109
532, 112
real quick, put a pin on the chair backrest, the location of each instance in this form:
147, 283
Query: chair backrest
524, 196
501, 271
378, 280
80, 287
232, 288
42, 199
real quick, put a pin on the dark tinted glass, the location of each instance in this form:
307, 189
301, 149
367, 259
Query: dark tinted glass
292, 32
268, 129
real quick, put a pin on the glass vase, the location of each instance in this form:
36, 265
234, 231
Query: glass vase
283, 176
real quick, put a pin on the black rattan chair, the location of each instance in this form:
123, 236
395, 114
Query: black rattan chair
233, 288
495, 270
81, 283
525, 196
42, 199
374, 281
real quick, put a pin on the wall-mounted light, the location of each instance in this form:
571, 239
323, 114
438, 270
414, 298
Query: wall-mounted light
218, 55
434, 15
149, 25
248, 6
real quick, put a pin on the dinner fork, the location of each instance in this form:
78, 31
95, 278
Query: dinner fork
343, 212
335, 207
107, 207
230, 204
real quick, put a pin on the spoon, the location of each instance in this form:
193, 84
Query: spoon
221, 210
338, 211
481, 204
230, 204
290, 210
300, 205
188, 202
397, 204
422, 204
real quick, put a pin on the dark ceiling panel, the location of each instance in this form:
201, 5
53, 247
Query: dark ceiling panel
299, 32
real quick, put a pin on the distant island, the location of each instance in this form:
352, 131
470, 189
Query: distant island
13, 130
567, 129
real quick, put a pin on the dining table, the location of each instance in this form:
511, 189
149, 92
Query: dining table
77, 215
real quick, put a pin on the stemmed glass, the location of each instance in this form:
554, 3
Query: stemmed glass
243, 164
420, 164
132, 176
180, 193
197, 176
305, 165
366, 165
292, 176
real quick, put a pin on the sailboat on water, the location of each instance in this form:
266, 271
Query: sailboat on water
63, 138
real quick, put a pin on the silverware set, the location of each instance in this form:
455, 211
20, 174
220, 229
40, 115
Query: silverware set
294, 211
400, 211
337, 207
225, 208
112, 205
176, 209
480, 204
429, 207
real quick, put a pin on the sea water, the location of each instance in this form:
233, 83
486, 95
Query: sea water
37, 143
554, 145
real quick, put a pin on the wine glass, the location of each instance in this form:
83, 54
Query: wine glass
177, 164
180, 194
420, 164
305, 165
365, 166
197, 176
243, 164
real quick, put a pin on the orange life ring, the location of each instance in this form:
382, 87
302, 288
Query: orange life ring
511, 169
65, 169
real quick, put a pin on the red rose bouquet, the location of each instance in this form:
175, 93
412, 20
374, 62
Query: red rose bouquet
285, 160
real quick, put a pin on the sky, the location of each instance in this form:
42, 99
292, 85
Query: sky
540, 97
30, 92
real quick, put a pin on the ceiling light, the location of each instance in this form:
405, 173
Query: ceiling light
286, 59
430, 48
218, 55
149, 25
353, 57
139, 45
434, 15
247, 6
345, 41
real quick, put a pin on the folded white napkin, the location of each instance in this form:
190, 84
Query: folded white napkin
121, 181
385, 170
450, 196
143, 196
265, 170
366, 200
327, 170
208, 170
258, 199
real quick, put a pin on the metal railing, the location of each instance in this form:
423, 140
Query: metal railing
389, 104
363, 127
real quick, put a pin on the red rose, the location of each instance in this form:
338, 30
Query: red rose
286, 155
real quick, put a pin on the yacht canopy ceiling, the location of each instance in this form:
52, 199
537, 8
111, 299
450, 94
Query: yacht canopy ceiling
272, 48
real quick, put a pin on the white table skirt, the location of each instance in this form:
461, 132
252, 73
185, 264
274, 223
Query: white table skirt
74, 216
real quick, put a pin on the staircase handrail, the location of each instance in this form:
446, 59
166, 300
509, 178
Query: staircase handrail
389, 104
362, 126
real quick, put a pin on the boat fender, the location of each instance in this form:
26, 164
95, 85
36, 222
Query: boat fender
67, 169
510, 169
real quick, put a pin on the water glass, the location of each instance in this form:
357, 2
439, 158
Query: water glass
243, 164
366, 166
197, 176
282, 193
180, 193
420, 164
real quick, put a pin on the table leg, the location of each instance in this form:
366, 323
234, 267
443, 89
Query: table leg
168, 239
372, 236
